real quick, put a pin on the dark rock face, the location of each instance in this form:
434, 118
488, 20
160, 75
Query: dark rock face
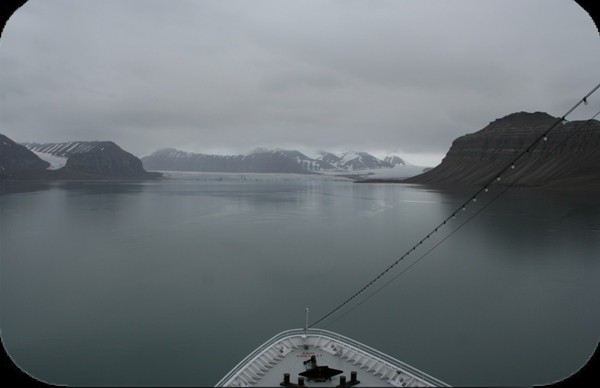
107, 160
90, 160
477, 158
16, 159
278, 161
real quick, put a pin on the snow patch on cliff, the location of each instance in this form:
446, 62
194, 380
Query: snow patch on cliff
56, 162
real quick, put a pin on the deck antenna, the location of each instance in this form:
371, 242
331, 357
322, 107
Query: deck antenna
306, 323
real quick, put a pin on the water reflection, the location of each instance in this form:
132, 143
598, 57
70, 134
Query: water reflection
134, 284
7, 187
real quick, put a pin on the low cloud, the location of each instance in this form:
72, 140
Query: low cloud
384, 75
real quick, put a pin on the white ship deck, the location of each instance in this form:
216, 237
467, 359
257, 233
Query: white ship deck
288, 351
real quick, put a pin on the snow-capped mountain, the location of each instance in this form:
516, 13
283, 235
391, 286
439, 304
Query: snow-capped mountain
97, 158
264, 160
328, 157
395, 160
259, 160
302, 160
57, 154
66, 149
360, 161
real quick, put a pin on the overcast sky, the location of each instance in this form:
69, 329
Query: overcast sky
213, 76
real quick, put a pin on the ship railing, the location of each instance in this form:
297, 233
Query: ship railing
380, 356
229, 377
255, 354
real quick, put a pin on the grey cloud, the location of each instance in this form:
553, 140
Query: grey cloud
365, 75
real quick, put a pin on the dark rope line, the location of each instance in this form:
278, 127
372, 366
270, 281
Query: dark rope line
417, 260
485, 187
460, 226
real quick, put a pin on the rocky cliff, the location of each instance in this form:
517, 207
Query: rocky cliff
16, 160
566, 158
108, 160
71, 160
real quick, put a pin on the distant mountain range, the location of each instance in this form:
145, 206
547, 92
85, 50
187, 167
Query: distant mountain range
568, 158
106, 160
351, 161
263, 160
76, 160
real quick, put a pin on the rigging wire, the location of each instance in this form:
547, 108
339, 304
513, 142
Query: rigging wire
504, 189
463, 207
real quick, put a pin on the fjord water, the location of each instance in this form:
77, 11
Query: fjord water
174, 282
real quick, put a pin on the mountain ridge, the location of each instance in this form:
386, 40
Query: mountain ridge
264, 160
77, 160
16, 159
566, 158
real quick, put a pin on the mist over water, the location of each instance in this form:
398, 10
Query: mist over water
174, 282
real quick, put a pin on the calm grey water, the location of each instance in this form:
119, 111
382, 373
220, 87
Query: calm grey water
174, 282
